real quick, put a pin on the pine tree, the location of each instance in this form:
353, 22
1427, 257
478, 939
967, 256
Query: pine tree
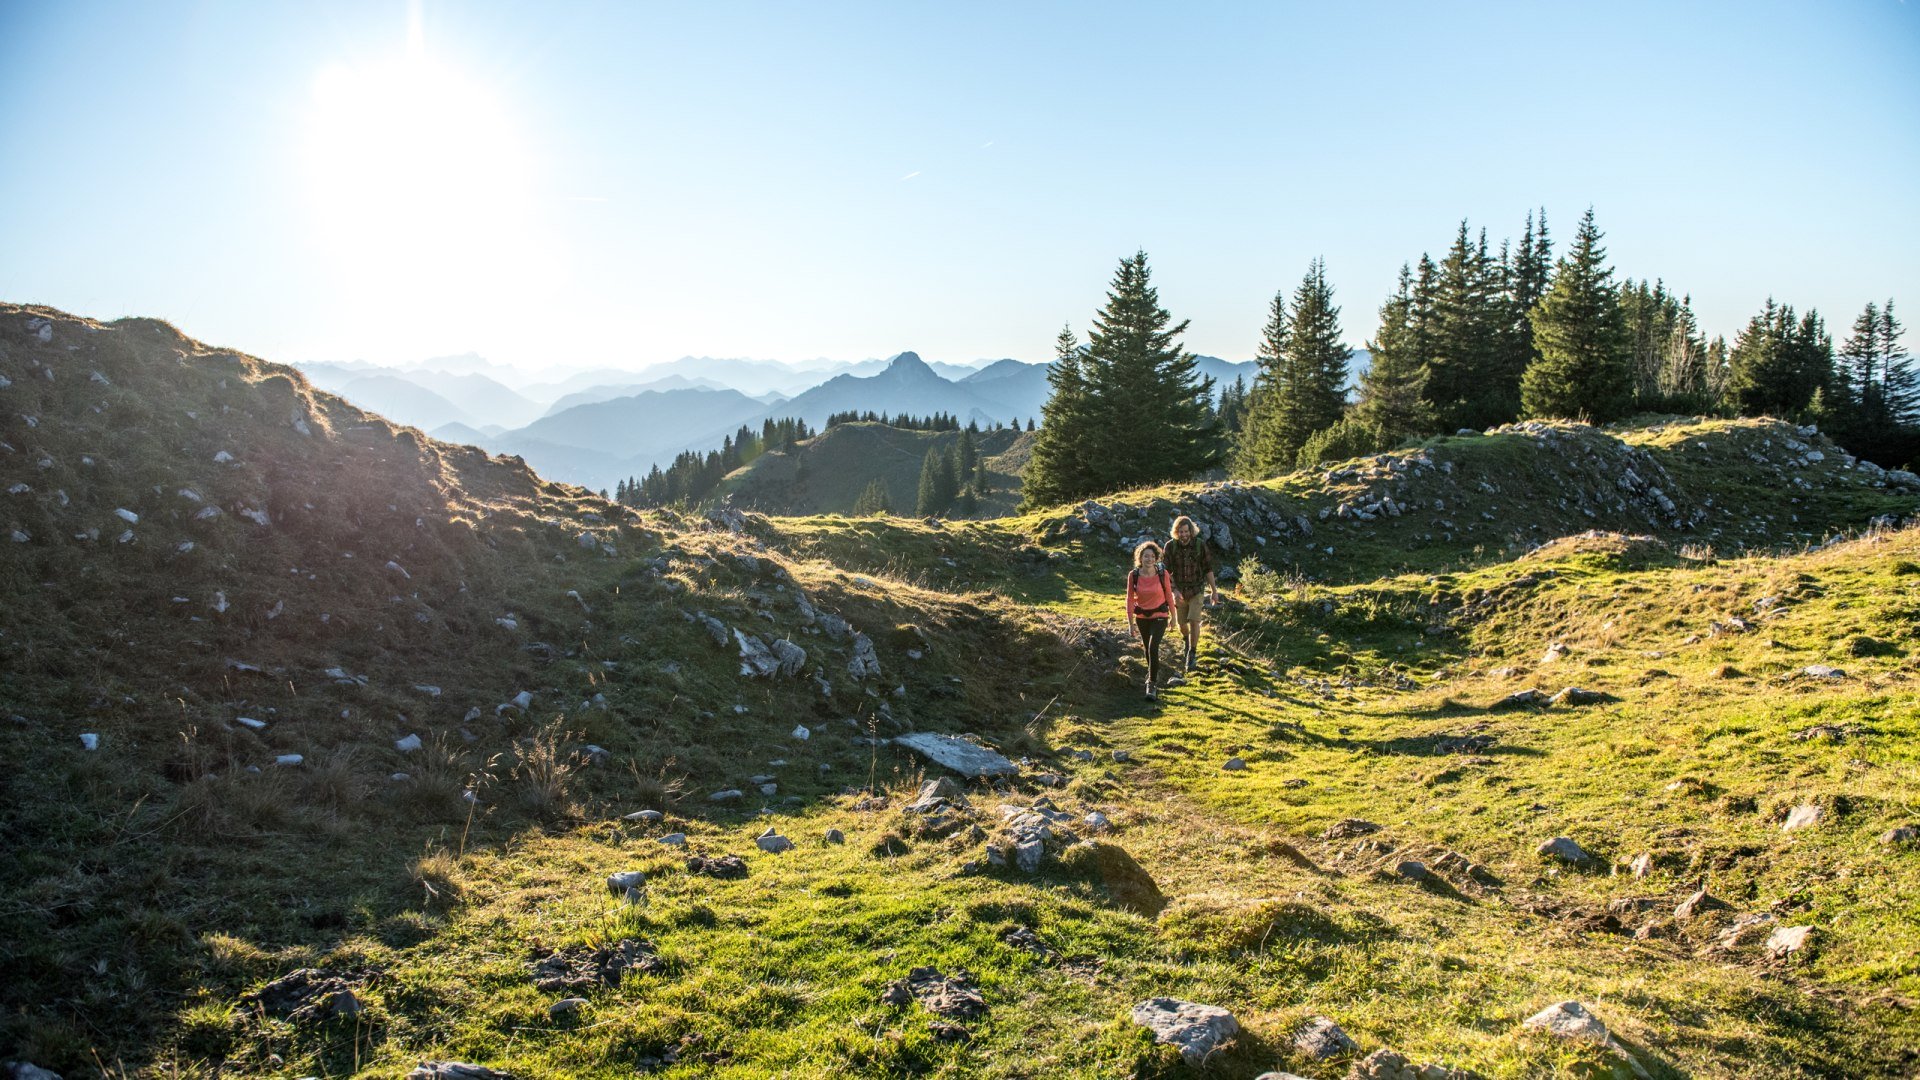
1301, 388
873, 500
1392, 390
1778, 362
969, 452
935, 476
1059, 469
1467, 380
982, 481
1134, 387
1585, 368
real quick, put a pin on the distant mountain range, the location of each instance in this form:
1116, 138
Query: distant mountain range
601, 425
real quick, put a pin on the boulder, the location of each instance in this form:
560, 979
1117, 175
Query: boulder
963, 757
1197, 1030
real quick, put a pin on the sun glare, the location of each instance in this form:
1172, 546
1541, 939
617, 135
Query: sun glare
422, 190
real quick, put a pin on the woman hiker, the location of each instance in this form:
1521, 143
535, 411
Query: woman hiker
1149, 600
1190, 565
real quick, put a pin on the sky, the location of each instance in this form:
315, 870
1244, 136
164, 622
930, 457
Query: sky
562, 184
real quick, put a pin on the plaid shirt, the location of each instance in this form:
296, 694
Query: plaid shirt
1188, 564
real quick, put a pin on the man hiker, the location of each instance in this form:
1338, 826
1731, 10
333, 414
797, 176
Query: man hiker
1190, 565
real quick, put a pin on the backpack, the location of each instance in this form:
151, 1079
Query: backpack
1166, 589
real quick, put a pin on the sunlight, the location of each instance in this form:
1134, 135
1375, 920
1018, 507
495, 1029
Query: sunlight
421, 188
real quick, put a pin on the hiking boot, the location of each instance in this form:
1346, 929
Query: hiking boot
1189, 661
1151, 696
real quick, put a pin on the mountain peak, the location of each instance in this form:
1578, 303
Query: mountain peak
907, 361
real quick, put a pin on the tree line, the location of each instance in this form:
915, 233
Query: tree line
693, 475
1480, 337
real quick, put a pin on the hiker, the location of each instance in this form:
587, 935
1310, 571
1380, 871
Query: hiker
1191, 565
1149, 600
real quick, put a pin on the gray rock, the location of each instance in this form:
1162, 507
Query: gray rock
566, 1007
1642, 864
1122, 757
457, 1070
773, 843
1028, 854
1698, 904
727, 795
1097, 822
408, 744
1900, 834
865, 663
1822, 671
1574, 695
1788, 940
1574, 1022
1523, 699
1321, 1039
674, 839
1802, 816
620, 884
1563, 848
1413, 870
791, 657
937, 795
963, 757
756, 660
1348, 828
715, 629
650, 817
24, 1070
1197, 1030
1234, 764
835, 836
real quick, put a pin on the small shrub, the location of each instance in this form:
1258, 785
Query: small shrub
544, 773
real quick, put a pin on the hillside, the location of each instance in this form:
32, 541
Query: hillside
828, 473
503, 690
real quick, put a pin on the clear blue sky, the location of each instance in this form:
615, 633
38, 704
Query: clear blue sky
631, 182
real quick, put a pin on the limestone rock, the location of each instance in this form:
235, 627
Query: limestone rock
1785, 941
865, 662
1197, 1030
457, 1070
1563, 848
1802, 816
937, 795
674, 839
1900, 834
950, 996
727, 795
963, 757
26, 1070
1574, 1022
620, 884
773, 843
1574, 695
1696, 904
1321, 1038
1348, 828
1523, 699
1234, 764
649, 817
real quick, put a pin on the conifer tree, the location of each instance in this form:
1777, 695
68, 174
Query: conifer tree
1133, 387
938, 485
969, 452
1584, 368
1778, 362
1301, 388
1392, 390
873, 500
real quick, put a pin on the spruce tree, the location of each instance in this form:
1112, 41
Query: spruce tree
1778, 362
1301, 388
1134, 411
1585, 368
873, 500
1392, 390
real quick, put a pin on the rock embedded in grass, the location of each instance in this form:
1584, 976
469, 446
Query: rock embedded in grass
1196, 1030
1522, 699
1320, 1038
1348, 828
649, 817
1574, 695
727, 795
457, 1070
772, 842
1574, 1022
963, 757
1900, 834
1802, 816
1786, 941
1234, 764
674, 839
1564, 849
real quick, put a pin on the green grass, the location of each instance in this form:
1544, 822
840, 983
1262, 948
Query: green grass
158, 882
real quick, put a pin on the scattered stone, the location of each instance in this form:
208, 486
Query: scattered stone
1321, 1039
1413, 870
1642, 864
963, 757
1234, 764
1024, 939
674, 839
802, 733
1523, 699
1385, 1064
1348, 828
408, 744
25, 1070
1563, 848
1574, 695
289, 760
581, 967
1197, 1030
457, 1070
1802, 816
1097, 822
725, 867
1900, 834
727, 795
1788, 940
649, 817
1822, 671
626, 881
566, 1007
835, 836
865, 663
773, 843
1122, 757
1698, 904
1573, 1022
89, 740
250, 723
1554, 652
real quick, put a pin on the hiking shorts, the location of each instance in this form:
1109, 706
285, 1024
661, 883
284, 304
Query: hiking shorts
1187, 611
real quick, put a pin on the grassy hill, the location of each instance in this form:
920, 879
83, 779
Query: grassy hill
828, 473
1748, 647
